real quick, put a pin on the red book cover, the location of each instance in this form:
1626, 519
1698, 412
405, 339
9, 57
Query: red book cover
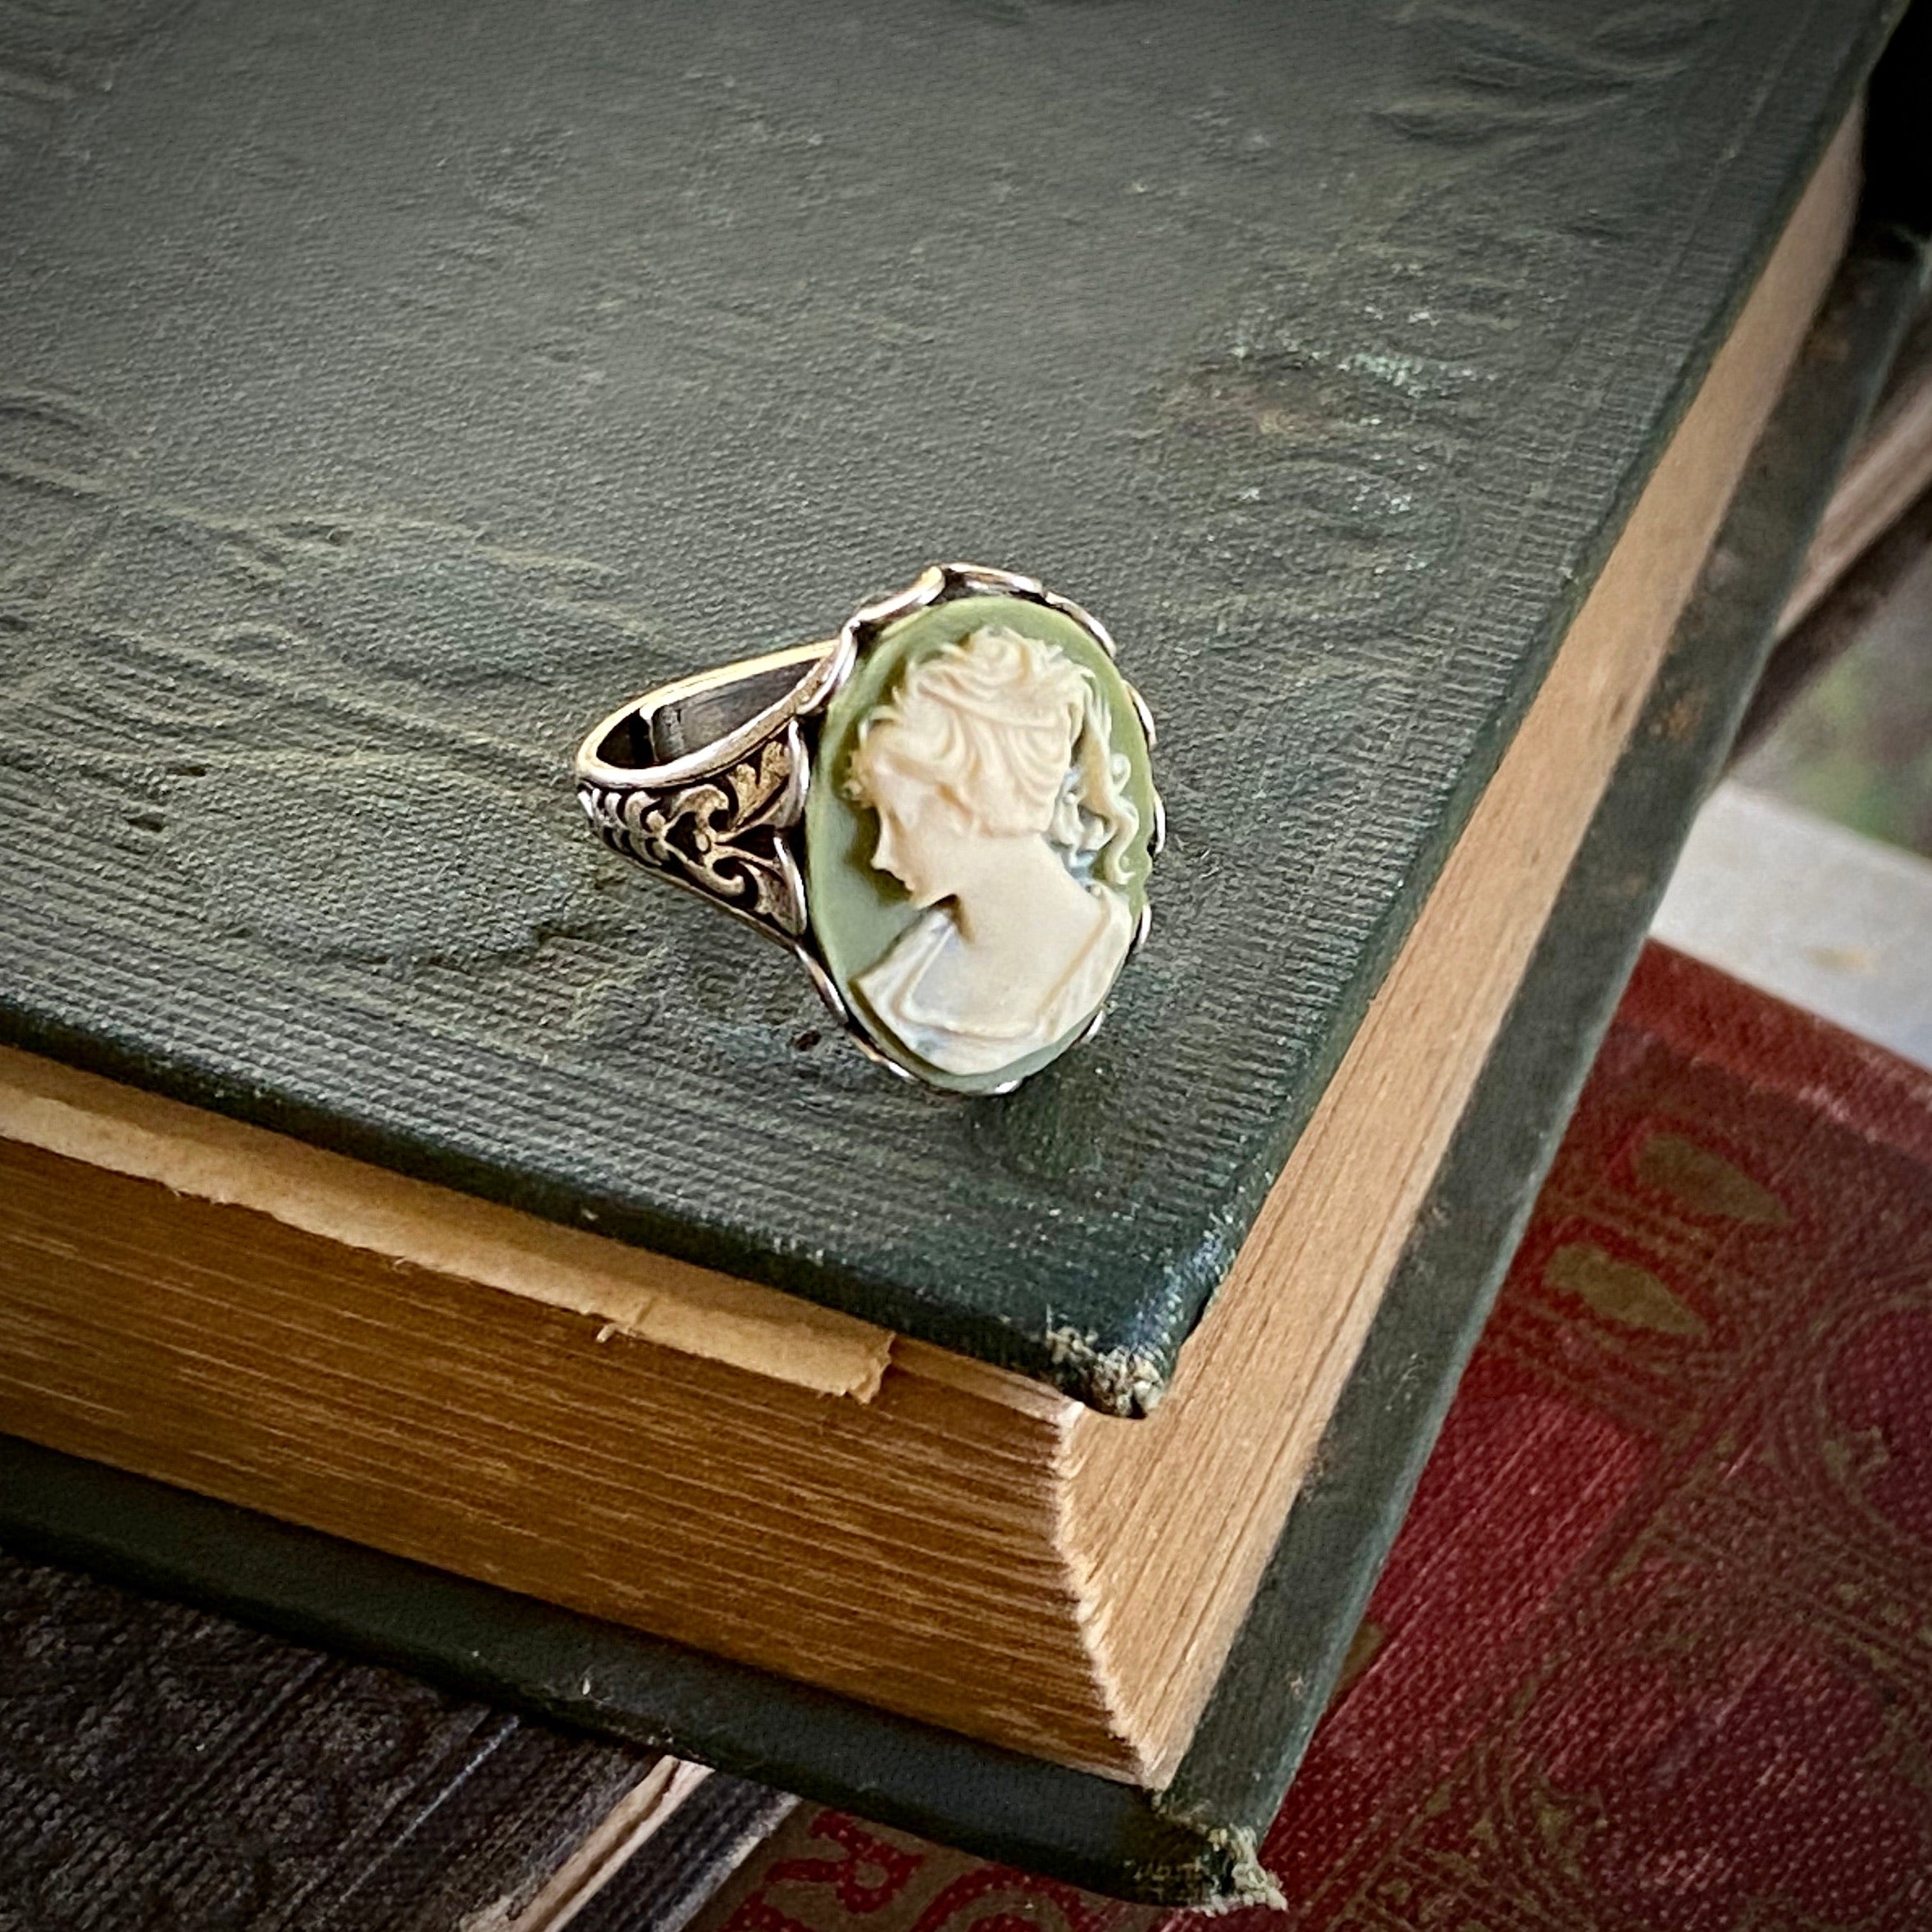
1654, 1648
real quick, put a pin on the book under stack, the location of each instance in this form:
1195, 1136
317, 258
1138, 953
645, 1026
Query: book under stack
467, 1251
1650, 1648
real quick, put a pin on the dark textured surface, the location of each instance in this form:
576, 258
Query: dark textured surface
1181, 1845
1793, 727
686, 1859
389, 390
164, 1771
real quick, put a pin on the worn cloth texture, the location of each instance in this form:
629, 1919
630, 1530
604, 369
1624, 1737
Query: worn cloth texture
384, 392
162, 1769
1654, 1648
165, 1769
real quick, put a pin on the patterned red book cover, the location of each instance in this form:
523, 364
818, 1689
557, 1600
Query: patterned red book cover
1654, 1648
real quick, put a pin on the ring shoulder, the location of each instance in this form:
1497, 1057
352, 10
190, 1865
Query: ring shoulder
728, 835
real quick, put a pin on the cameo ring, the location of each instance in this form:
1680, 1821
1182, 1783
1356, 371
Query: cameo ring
947, 811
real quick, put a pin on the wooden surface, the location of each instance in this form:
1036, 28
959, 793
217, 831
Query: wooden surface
480, 375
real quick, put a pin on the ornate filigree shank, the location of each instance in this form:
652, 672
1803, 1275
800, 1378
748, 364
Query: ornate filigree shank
727, 835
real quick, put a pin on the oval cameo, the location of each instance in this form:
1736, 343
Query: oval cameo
977, 838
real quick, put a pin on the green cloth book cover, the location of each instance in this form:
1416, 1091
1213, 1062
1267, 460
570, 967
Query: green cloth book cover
387, 397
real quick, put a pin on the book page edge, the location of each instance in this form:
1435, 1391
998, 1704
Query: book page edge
628, 1290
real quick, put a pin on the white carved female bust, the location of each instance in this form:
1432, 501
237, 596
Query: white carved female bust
1003, 810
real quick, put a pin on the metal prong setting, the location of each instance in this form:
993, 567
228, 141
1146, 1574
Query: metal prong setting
878, 1059
981, 580
927, 587
824, 985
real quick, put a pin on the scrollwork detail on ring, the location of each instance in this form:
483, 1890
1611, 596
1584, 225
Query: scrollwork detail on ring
724, 835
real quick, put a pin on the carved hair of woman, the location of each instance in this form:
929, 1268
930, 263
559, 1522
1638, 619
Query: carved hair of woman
1003, 810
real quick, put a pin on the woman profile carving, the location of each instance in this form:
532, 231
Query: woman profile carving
1003, 809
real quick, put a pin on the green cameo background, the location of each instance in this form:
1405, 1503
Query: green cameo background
858, 911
